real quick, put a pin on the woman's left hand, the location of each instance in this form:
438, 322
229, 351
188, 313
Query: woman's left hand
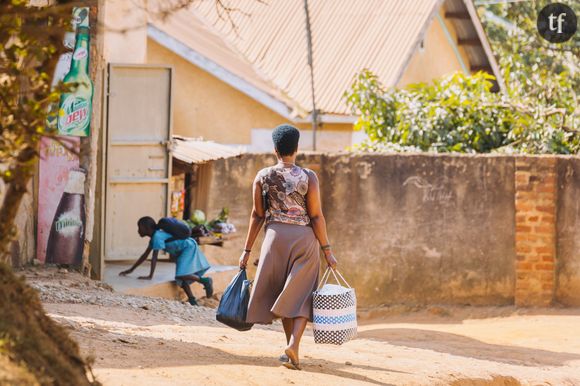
244, 259
330, 260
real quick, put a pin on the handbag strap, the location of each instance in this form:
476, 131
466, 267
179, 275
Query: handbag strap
326, 276
340, 275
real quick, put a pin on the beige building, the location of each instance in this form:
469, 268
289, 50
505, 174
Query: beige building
233, 84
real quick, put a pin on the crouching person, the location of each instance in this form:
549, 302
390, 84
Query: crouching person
191, 263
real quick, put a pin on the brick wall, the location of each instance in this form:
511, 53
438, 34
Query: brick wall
535, 203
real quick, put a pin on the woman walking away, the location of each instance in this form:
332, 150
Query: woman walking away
287, 199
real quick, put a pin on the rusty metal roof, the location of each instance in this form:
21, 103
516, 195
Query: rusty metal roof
198, 151
268, 46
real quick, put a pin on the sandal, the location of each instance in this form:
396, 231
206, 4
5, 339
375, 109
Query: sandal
283, 358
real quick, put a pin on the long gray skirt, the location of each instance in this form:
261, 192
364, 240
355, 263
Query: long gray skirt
287, 274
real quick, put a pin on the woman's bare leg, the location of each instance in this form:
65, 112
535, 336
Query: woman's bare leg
288, 324
292, 350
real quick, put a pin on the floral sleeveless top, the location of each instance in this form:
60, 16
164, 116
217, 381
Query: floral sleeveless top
284, 194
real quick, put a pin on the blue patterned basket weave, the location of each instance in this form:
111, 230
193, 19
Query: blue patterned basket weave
334, 311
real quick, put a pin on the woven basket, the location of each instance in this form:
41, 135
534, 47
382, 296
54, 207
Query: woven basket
334, 311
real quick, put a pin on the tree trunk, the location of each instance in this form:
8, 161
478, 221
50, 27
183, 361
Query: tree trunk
34, 349
21, 171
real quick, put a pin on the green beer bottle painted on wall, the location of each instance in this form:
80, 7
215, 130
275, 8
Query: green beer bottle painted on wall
74, 111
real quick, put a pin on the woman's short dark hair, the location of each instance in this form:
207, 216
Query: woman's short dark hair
286, 139
147, 222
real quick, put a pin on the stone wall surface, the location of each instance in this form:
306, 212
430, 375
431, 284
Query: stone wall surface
406, 228
423, 229
568, 232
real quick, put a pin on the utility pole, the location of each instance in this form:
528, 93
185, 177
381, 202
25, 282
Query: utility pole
311, 65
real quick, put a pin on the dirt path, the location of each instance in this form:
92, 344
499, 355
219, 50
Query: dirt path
145, 341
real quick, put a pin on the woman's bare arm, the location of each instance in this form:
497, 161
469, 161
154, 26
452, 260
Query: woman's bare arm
314, 208
256, 222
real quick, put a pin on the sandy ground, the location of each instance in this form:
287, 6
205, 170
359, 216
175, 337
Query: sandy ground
146, 341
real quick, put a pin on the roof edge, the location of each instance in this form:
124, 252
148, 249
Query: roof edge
485, 43
330, 118
213, 68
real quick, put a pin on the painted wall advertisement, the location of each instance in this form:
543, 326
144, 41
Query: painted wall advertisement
61, 202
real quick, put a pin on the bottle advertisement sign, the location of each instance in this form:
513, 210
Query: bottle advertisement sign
56, 164
74, 109
61, 202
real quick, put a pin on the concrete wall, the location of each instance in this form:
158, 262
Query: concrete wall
568, 232
405, 228
422, 229
125, 31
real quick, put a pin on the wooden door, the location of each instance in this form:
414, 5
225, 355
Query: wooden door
138, 159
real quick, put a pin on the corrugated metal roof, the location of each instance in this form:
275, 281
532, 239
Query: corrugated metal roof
348, 36
268, 47
192, 32
197, 151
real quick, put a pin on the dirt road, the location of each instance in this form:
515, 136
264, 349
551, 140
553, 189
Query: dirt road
145, 341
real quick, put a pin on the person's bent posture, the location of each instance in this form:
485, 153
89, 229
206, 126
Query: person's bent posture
191, 263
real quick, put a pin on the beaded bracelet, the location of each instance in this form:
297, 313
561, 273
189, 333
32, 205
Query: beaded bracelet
325, 247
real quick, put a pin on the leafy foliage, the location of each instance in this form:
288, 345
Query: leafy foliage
30, 44
458, 113
37, 350
538, 113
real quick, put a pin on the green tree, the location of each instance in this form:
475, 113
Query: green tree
30, 44
538, 113
33, 348
543, 78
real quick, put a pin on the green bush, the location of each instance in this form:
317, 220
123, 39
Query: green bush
537, 112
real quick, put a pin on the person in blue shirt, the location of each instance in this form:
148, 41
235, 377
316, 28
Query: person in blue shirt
190, 262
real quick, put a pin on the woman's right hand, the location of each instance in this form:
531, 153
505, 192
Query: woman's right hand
330, 260
244, 259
